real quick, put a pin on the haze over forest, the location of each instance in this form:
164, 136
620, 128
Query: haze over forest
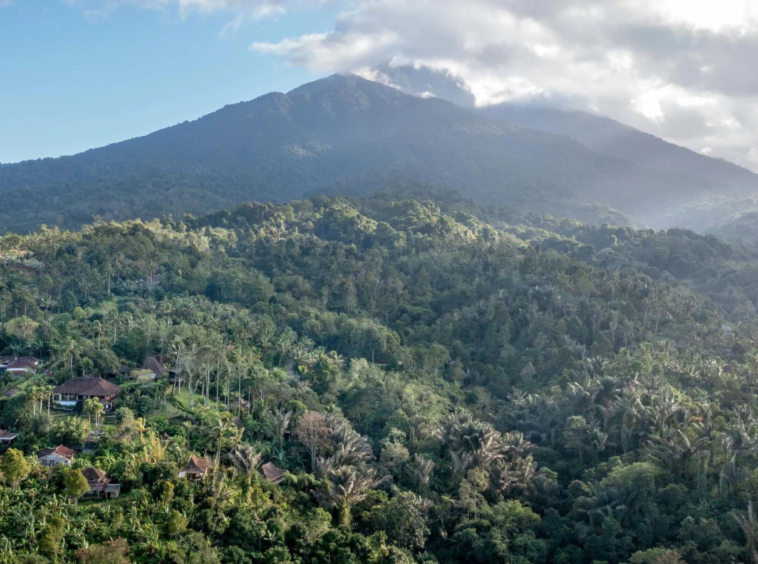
483, 288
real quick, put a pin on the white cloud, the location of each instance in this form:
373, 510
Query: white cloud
233, 26
710, 15
679, 69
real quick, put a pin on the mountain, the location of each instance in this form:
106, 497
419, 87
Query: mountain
614, 139
339, 134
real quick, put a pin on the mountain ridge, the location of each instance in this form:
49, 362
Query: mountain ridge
282, 146
608, 136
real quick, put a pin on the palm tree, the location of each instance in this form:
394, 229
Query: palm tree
46, 393
280, 422
33, 395
470, 441
221, 428
92, 407
675, 449
749, 526
98, 327
346, 486
423, 472
127, 320
38, 346
112, 319
109, 271
286, 340
246, 460
350, 448
68, 350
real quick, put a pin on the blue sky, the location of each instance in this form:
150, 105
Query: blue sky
70, 81
76, 74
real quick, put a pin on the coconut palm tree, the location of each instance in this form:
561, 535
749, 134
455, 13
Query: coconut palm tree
422, 474
749, 526
470, 441
92, 407
280, 422
345, 486
46, 393
246, 460
222, 428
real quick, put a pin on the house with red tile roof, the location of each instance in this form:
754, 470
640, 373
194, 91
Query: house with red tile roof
57, 456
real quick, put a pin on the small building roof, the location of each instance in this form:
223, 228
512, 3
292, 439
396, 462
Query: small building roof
23, 363
94, 474
196, 465
112, 488
154, 365
60, 450
7, 435
272, 473
30, 359
88, 386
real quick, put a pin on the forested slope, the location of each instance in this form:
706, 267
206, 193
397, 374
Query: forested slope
609, 137
442, 383
342, 134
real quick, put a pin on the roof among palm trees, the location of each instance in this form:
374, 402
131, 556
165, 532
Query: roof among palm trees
272, 473
94, 475
21, 363
154, 365
88, 386
196, 465
60, 450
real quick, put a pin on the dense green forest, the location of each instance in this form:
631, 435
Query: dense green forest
441, 382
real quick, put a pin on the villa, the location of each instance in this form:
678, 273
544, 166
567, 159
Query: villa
75, 390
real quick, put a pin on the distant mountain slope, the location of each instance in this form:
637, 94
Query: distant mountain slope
341, 131
615, 139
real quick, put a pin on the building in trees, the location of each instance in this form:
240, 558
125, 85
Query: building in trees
154, 367
7, 438
81, 389
272, 473
100, 484
19, 366
196, 468
59, 455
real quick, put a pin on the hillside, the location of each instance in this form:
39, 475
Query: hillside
608, 137
338, 134
430, 379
